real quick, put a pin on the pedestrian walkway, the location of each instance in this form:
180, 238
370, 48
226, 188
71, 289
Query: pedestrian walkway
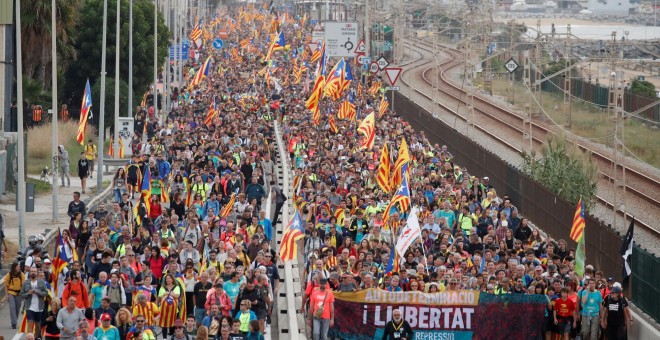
37, 221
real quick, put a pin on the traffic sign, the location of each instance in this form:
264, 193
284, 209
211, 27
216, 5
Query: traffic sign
511, 65
366, 62
312, 46
361, 47
392, 88
360, 58
223, 34
373, 68
393, 74
218, 43
179, 52
382, 63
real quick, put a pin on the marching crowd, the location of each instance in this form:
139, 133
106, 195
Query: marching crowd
185, 249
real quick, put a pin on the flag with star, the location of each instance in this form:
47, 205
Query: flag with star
401, 197
293, 232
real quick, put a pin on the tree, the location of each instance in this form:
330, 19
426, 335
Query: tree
36, 36
643, 88
89, 40
109, 99
564, 169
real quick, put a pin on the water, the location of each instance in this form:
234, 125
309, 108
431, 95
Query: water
604, 32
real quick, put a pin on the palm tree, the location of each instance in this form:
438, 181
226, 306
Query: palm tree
36, 40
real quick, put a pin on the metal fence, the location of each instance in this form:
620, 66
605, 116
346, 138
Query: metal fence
646, 282
550, 212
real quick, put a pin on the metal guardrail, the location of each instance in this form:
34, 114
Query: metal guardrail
289, 301
49, 234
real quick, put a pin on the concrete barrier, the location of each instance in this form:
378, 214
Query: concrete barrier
289, 300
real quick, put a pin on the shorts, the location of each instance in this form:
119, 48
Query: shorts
33, 316
200, 313
564, 325
132, 181
82, 176
262, 314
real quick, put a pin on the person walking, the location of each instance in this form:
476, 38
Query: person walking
69, 318
63, 164
13, 283
398, 328
615, 315
590, 301
322, 304
279, 198
83, 170
33, 292
90, 152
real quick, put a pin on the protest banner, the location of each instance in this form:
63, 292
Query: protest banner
456, 315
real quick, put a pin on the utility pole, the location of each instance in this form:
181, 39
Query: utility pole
130, 59
537, 60
117, 80
20, 190
567, 78
511, 54
367, 27
155, 59
166, 81
99, 170
615, 101
53, 123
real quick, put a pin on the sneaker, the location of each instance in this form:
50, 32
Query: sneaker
13, 326
83, 191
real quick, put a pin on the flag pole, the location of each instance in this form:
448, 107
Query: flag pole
99, 175
130, 59
53, 120
117, 79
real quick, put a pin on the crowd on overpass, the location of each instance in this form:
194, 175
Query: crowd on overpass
186, 249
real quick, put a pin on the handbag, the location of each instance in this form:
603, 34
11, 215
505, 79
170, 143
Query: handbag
319, 311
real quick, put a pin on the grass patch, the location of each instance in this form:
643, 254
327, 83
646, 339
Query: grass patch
587, 120
39, 145
40, 187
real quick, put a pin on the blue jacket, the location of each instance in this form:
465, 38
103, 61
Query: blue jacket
164, 168
255, 191
213, 204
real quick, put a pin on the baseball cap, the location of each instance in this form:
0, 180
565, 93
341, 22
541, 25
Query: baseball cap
610, 279
46, 261
105, 317
178, 323
323, 281
616, 289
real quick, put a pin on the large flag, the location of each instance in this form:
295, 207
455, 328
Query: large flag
332, 124
384, 105
368, 129
401, 197
409, 233
293, 232
196, 34
403, 157
60, 260
213, 112
276, 45
201, 73
338, 80
85, 113
626, 253
577, 230
383, 174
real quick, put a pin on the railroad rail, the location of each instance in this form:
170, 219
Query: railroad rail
510, 120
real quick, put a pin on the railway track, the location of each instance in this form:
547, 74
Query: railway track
644, 187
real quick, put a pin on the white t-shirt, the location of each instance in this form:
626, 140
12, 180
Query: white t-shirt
34, 302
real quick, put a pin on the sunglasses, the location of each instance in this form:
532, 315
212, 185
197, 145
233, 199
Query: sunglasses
139, 321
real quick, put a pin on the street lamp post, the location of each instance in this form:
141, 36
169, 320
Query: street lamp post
117, 79
54, 132
130, 59
99, 175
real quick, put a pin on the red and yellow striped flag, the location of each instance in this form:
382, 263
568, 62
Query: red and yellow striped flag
577, 230
226, 210
383, 174
384, 105
375, 87
333, 125
368, 129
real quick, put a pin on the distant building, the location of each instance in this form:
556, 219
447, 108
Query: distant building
611, 7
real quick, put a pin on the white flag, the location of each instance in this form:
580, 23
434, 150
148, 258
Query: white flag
409, 234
